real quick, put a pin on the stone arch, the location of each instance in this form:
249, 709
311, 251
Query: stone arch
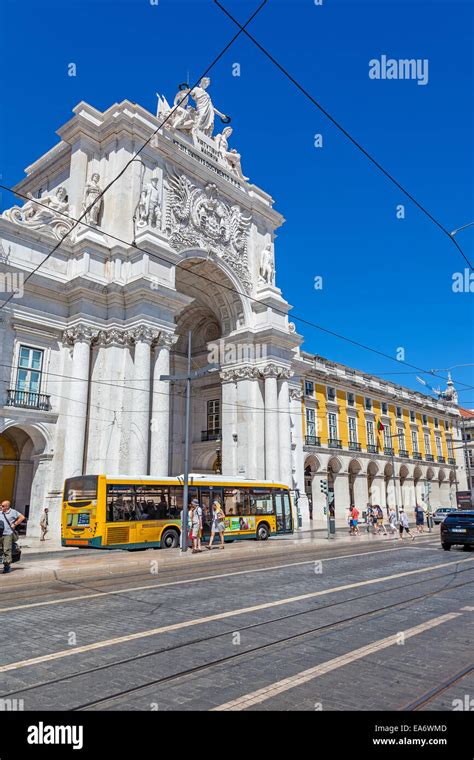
218, 285
354, 469
312, 465
28, 472
441, 475
372, 472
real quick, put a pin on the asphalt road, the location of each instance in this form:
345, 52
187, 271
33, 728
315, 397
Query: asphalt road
350, 627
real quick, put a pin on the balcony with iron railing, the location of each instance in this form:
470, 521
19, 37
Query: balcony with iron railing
403, 453
28, 400
354, 446
372, 448
388, 451
442, 460
210, 435
416, 455
312, 440
451, 460
334, 443
429, 457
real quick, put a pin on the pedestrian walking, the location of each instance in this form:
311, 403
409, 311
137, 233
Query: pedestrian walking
196, 525
369, 517
392, 520
9, 521
419, 518
380, 524
354, 521
218, 524
404, 525
44, 523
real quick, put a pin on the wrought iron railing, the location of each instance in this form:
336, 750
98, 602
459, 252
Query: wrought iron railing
28, 400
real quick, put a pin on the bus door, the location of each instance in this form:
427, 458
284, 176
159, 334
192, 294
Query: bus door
284, 518
206, 497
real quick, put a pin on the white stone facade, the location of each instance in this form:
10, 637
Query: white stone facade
180, 241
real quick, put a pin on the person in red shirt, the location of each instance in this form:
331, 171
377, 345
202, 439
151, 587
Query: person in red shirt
354, 521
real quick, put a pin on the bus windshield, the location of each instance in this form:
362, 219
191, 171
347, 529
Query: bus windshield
81, 489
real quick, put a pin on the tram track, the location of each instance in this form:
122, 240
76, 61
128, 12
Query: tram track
429, 696
232, 566
249, 652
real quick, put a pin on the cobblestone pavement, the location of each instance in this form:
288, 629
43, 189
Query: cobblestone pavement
290, 625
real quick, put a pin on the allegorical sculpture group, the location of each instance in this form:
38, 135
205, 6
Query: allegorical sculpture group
200, 118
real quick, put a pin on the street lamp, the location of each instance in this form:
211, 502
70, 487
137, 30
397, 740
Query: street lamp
455, 232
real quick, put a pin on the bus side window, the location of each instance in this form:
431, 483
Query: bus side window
120, 503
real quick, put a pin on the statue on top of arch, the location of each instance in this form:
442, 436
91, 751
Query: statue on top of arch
192, 120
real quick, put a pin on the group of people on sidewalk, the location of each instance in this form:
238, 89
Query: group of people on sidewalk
374, 520
195, 525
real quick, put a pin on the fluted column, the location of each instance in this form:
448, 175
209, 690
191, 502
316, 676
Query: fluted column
160, 419
229, 423
284, 429
272, 461
80, 338
140, 416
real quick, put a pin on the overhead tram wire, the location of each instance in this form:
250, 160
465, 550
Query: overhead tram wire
232, 289
130, 161
345, 132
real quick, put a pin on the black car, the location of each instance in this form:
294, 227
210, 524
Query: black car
458, 528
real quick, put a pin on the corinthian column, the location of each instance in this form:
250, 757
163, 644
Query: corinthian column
140, 415
229, 423
160, 419
284, 429
272, 463
80, 337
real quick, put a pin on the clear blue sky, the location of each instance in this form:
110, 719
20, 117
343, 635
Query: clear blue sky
387, 282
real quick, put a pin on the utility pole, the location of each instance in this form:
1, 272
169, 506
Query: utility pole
188, 376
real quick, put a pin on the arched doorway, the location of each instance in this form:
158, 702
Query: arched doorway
338, 491
311, 467
213, 313
374, 497
24, 470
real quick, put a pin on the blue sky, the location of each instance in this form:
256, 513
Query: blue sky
387, 282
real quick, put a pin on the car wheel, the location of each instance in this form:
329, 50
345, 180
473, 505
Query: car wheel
446, 547
169, 539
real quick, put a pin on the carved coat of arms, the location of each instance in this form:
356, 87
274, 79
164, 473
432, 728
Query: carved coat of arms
197, 217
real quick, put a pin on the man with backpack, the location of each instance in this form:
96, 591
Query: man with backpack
9, 521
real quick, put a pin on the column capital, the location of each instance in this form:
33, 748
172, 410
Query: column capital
143, 334
296, 394
166, 340
276, 370
79, 333
234, 374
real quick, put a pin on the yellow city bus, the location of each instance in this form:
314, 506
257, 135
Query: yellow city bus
103, 512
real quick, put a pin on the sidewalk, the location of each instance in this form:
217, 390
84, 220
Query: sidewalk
82, 565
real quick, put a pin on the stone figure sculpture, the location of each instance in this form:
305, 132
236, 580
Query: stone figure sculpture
230, 158
51, 211
267, 266
92, 191
149, 205
205, 109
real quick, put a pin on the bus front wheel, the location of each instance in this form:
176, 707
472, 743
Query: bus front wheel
263, 532
169, 539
